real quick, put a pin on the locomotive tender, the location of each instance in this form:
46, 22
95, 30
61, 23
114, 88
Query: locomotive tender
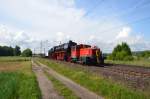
72, 52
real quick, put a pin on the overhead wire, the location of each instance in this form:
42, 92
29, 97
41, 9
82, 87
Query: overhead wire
94, 7
138, 5
132, 22
130, 12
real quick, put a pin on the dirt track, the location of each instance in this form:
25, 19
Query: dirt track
80, 91
45, 85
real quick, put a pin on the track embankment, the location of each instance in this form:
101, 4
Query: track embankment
132, 76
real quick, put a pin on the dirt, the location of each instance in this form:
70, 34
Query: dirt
80, 91
9, 66
45, 84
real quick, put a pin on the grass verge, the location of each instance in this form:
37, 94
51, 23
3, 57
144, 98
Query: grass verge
61, 88
141, 63
99, 85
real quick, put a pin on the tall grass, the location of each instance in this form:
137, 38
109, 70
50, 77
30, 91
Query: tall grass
17, 81
99, 85
18, 86
28, 87
8, 85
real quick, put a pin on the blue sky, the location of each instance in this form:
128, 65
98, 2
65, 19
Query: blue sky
104, 23
129, 11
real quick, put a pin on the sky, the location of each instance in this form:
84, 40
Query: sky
104, 23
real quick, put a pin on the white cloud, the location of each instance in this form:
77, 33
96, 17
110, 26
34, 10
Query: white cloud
31, 21
124, 33
14, 38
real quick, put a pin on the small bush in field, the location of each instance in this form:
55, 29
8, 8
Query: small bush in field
121, 52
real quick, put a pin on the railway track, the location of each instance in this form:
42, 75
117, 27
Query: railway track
129, 72
134, 77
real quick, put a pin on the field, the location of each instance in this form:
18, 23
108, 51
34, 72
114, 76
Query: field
14, 59
17, 80
105, 87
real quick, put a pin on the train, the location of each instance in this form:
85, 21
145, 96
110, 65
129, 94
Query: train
77, 53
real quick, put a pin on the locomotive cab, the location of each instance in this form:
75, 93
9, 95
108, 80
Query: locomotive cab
91, 56
85, 54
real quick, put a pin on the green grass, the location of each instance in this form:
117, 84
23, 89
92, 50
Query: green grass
28, 87
17, 81
14, 59
99, 85
142, 62
8, 85
16, 85
61, 88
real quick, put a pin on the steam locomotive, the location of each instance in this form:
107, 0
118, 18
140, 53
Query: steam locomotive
77, 53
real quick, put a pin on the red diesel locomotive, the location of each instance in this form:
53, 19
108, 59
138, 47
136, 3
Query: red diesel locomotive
71, 52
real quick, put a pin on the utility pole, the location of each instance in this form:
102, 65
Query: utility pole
41, 46
44, 52
46, 47
34, 52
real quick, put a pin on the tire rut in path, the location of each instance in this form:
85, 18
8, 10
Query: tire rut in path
45, 84
80, 91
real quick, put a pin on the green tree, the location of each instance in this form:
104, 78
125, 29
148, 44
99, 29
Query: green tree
6, 51
17, 51
126, 48
121, 52
27, 53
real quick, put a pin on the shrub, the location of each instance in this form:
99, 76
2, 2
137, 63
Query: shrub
27, 53
121, 52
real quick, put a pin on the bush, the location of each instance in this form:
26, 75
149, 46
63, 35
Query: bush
121, 52
27, 53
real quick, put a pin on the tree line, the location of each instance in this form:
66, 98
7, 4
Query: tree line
16, 51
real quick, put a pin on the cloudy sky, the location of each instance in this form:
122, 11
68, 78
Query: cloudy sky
104, 23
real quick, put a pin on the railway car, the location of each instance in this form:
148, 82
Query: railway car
82, 53
62, 52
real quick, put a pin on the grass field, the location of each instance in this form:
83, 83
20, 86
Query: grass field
99, 85
61, 88
14, 58
17, 80
142, 62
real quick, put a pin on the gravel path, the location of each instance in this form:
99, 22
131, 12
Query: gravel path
45, 85
80, 91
